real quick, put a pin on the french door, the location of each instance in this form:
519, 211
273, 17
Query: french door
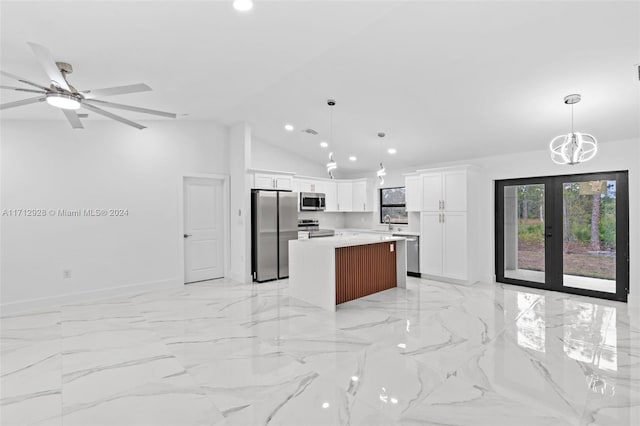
565, 233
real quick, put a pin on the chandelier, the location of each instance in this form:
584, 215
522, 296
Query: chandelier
574, 147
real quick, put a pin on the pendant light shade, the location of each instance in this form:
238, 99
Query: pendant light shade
381, 173
331, 165
575, 147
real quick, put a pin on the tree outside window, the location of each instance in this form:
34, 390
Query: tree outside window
393, 203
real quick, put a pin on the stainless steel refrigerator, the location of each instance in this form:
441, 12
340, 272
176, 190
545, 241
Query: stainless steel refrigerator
274, 222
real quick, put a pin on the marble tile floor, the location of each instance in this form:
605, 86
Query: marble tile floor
224, 353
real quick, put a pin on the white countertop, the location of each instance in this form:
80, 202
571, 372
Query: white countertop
347, 241
379, 231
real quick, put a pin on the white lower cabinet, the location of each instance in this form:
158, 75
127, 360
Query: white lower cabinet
431, 231
454, 245
444, 245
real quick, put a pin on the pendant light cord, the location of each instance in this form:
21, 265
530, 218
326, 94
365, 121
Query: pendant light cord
572, 130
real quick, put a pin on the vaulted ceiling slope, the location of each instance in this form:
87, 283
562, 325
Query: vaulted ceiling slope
445, 80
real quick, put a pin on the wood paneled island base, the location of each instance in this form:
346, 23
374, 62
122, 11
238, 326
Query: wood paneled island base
332, 270
364, 270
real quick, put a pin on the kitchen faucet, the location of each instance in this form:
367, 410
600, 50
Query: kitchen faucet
387, 220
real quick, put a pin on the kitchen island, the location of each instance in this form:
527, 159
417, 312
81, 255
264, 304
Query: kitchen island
332, 270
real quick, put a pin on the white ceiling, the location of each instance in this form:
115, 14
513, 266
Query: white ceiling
445, 80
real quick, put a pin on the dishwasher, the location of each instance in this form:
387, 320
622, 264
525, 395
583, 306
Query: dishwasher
413, 254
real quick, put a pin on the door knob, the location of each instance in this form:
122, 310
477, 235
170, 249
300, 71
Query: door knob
187, 235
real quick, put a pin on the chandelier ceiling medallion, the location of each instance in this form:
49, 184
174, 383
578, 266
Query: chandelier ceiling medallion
575, 147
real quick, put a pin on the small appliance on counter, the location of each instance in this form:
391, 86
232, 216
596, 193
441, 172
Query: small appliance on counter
312, 201
312, 227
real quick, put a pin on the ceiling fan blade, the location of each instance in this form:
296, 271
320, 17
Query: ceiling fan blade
73, 118
132, 108
20, 89
22, 80
110, 115
49, 64
22, 102
118, 90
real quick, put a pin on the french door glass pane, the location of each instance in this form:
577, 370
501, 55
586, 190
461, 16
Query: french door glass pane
524, 242
589, 235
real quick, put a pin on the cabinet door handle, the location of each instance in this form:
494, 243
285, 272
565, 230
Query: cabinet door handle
442, 217
442, 204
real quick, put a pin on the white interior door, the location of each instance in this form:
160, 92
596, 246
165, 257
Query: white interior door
203, 229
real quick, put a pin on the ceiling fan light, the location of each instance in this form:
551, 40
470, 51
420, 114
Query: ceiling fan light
61, 100
242, 5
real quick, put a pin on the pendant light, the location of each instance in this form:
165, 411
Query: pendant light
575, 147
382, 172
331, 165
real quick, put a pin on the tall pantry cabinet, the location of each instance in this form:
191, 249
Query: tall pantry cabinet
443, 196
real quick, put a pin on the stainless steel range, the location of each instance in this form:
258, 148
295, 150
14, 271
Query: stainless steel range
312, 226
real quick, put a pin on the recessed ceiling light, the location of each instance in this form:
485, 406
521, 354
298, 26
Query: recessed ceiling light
288, 127
392, 151
242, 5
352, 158
325, 405
324, 144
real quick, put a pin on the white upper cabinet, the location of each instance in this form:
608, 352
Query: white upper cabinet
413, 193
432, 192
308, 185
361, 198
444, 191
272, 181
454, 189
345, 196
331, 196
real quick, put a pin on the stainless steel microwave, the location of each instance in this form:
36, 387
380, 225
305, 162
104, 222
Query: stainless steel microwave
314, 201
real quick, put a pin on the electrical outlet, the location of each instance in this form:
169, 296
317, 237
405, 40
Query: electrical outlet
66, 274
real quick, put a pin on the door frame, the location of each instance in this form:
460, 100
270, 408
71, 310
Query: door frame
225, 212
553, 259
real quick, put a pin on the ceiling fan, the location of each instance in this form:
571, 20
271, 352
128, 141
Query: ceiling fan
64, 96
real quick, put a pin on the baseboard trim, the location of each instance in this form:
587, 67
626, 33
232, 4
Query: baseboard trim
446, 279
30, 305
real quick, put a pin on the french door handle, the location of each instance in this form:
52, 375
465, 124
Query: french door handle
187, 235
548, 234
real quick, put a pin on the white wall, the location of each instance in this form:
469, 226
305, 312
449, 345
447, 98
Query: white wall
47, 165
267, 156
612, 156
240, 154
